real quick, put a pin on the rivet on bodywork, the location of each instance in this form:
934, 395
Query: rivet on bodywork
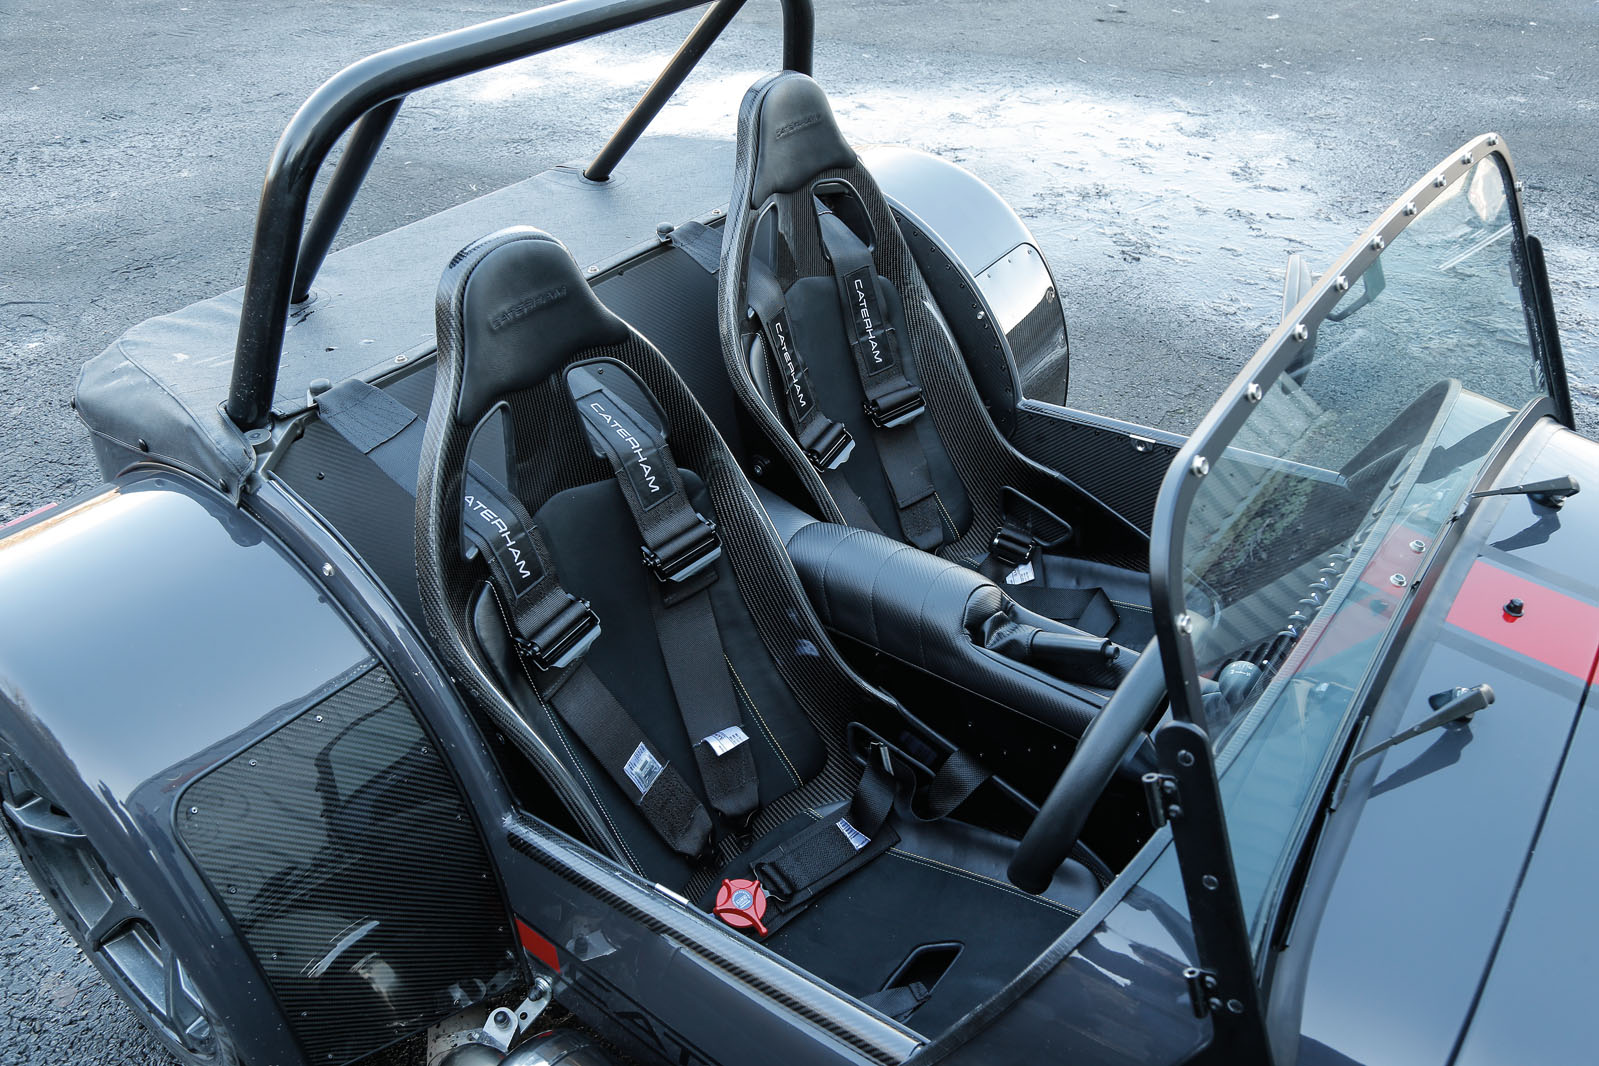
1200, 466
327, 569
401, 358
1185, 623
1378, 244
1301, 332
1398, 581
1418, 546
1254, 392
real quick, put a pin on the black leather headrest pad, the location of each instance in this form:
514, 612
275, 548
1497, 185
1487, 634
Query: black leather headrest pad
796, 137
525, 311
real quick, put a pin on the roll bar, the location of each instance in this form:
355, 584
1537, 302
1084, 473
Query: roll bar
367, 95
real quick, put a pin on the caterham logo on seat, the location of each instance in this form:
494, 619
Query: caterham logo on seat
522, 308
868, 333
646, 472
798, 124
502, 533
790, 372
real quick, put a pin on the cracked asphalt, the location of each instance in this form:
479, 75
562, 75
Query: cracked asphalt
1169, 157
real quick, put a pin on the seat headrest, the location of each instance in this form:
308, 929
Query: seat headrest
796, 136
513, 309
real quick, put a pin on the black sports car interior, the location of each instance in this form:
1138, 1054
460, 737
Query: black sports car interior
731, 532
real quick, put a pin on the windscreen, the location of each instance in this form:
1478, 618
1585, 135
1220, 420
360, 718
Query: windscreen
1308, 528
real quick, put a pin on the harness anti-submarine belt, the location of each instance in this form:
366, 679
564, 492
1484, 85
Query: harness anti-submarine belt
796, 871
627, 428
551, 627
893, 401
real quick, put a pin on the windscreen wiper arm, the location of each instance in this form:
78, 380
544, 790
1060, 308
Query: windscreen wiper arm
1551, 493
1451, 705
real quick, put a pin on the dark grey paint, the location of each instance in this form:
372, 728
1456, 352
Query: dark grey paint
1400, 924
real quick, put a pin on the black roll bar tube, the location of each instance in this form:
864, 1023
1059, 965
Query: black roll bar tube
366, 137
386, 79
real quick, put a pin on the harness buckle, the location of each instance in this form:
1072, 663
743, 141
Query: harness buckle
565, 639
896, 408
831, 449
741, 903
685, 555
1011, 546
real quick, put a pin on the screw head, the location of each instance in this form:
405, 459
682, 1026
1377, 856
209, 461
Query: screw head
1409, 209
1235, 1006
1301, 332
1439, 182
194, 810
1492, 140
1185, 623
1398, 581
319, 718
1466, 160
1341, 283
1418, 546
1185, 758
1378, 244
401, 358
1200, 466
1254, 392
591, 271
327, 569
1210, 882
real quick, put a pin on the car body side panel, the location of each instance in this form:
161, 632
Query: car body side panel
153, 635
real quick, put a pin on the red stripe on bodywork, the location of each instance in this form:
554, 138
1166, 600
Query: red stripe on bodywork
542, 949
1555, 629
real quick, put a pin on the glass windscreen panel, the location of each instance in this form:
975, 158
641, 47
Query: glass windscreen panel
1301, 542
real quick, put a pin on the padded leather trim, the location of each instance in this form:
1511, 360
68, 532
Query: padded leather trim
515, 338
796, 137
921, 610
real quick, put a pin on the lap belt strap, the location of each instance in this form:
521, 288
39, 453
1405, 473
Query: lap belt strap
626, 428
893, 401
826, 443
551, 627
820, 855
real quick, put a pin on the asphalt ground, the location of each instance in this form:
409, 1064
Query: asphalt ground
1168, 155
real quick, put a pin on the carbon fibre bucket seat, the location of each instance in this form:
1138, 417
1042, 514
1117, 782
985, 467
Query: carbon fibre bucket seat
575, 644
839, 352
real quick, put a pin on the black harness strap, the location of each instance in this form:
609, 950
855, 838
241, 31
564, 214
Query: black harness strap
893, 401
826, 443
551, 627
626, 428
822, 854
653, 785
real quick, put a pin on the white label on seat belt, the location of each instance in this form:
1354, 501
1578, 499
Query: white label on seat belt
725, 740
1021, 575
642, 768
856, 838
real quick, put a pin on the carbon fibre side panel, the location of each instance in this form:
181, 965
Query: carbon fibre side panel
343, 851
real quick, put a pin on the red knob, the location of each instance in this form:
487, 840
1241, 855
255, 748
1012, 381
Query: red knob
741, 903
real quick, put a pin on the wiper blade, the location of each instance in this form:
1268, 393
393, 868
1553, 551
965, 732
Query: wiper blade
1551, 493
1451, 705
